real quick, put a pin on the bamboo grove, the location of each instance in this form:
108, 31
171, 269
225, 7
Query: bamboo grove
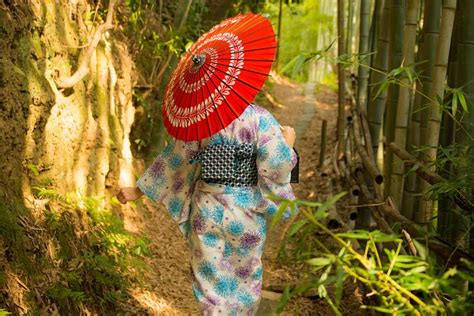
408, 141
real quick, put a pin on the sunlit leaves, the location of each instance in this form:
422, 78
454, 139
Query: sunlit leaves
402, 283
296, 227
376, 235
4, 312
297, 62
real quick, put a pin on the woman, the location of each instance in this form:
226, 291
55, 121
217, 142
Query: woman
216, 190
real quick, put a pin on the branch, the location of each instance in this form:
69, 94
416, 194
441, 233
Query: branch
83, 70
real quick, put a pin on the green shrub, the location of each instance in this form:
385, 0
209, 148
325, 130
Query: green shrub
397, 283
79, 252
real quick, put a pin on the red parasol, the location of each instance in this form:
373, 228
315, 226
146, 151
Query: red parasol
218, 77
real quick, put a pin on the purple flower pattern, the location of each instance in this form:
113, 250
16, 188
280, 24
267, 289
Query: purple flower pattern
249, 240
236, 258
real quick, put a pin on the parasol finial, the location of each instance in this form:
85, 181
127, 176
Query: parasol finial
198, 60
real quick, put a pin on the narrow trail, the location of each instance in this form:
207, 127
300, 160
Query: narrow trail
304, 109
166, 287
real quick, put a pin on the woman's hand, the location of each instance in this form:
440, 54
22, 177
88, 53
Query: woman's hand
289, 135
129, 194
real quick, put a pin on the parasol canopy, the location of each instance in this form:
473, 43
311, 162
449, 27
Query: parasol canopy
219, 77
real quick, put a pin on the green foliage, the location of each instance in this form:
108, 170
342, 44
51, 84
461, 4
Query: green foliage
457, 157
4, 312
456, 96
302, 25
397, 283
84, 243
62, 293
296, 64
159, 33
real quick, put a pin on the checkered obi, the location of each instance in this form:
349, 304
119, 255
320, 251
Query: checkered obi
232, 165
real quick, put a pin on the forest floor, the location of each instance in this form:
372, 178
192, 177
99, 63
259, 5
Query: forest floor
166, 287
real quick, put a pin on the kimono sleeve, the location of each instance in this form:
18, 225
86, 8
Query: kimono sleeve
171, 179
275, 160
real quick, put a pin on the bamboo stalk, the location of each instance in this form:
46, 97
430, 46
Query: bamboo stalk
445, 224
378, 218
347, 142
341, 120
277, 54
394, 61
363, 72
404, 100
364, 214
334, 163
437, 92
376, 106
367, 137
465, 76
425, 59
322, 152
373, 36
437, 245
368, 163
349, 27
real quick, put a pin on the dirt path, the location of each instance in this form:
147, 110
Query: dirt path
304, 109
166, 288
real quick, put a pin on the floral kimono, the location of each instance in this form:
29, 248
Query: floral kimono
224, 224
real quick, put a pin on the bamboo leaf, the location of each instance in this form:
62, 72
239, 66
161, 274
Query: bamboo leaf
462, 100
33, 168
319, 261
466, 276
304, 287
382, 87
279, 213
355, 234
322, 292
296, 227
401, 265
284, 299
330, 202
382, 237
380, 309
340, 278
451, 272
422, 251
454, 104
4, 312
308, 203
293, 63
298, 65
407, 259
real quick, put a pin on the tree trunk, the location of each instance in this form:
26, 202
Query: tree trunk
78, 138
397, 17
341, 118
425, 60
437, 94
376, 105
404, 99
